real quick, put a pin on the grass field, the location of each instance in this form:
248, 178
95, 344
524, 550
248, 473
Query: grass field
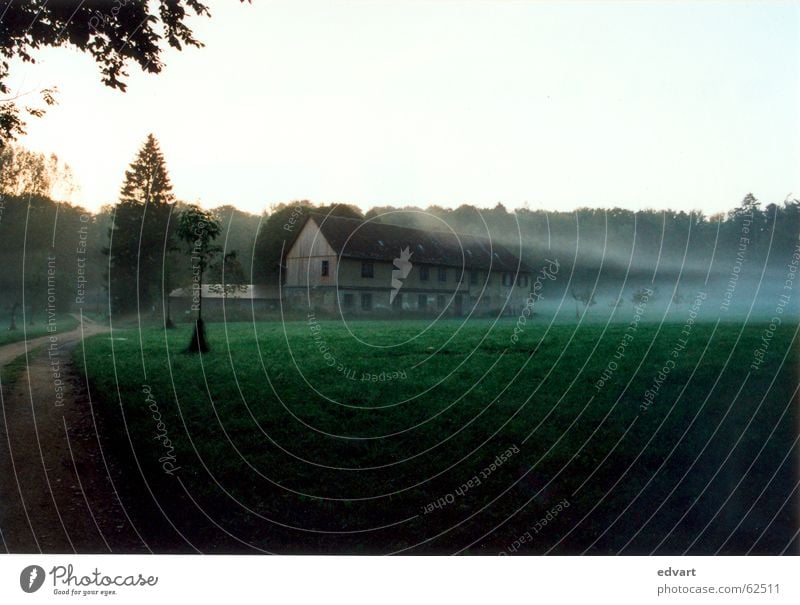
404, 437
64, 323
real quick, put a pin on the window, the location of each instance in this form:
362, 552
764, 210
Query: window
508, 279
473, 277
422, 302
366, 302
347, 301
424, 273
367, 268
442, 274
522, 279
440, 302
325, 268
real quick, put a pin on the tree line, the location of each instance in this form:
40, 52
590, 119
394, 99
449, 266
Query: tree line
586, 240
127, 258
123, 260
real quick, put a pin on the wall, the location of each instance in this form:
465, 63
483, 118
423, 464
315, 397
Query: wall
304, 259
304, 283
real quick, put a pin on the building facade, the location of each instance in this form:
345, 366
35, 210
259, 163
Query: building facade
341, 265
227, 297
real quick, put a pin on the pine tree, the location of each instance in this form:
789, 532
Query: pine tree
141, 233
147, 180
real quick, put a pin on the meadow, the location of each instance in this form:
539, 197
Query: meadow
409, 437
64, 323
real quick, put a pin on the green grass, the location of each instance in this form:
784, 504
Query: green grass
64, 323
10, 372
264, 428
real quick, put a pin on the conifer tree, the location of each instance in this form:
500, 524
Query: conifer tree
141, 233
147, 180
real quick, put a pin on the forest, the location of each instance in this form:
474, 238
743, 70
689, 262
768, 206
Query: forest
131, 245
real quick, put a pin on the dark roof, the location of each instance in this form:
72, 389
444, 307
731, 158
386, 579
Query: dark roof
353, 238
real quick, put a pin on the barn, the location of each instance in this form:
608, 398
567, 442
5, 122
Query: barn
354, 267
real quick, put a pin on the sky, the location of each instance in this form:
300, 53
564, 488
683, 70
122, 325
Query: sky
551, 105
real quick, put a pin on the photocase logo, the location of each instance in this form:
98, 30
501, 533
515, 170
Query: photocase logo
402, 269
31, 578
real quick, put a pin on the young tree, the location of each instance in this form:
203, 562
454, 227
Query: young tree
616, 303
12, 325
585, 296
643, 295
140, 230
199, 228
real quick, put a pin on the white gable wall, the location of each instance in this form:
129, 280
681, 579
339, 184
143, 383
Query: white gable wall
304, 259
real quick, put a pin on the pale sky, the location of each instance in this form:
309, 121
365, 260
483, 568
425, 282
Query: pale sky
639, 105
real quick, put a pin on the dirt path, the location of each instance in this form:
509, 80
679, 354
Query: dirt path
57, 490
11, 351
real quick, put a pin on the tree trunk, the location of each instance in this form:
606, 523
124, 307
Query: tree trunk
199, 343
200, 302
168, 323
12, 326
